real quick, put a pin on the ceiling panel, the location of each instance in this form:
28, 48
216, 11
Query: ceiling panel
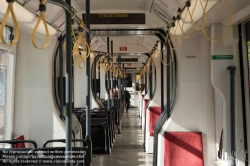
96, 44
21, 1
163, 15
113, 4
59, 21
213, 16
149, 42
33, 5
56, 10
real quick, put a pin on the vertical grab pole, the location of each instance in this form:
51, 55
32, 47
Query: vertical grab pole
232, 113
123, 87
146, 83
124, 77
61, 75
162, 79
95, 88
150, 84
112, 83
119, 78
88, 119
68, 148
73, 83
88, 77
99, 76
168, 82
108, 75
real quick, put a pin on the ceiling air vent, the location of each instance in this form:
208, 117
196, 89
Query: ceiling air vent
160, 13
128, 59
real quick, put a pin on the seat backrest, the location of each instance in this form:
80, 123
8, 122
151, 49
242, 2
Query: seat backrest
154, 114
183, 148
100, 103
19, 145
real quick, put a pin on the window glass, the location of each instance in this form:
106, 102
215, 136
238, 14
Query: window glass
7, 33
3, 85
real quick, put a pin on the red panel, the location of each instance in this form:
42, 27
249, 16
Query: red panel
123, 48
183, 148
154, 114
145, 104
19, 145
142, 97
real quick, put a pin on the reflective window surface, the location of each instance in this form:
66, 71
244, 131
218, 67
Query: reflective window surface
3, 85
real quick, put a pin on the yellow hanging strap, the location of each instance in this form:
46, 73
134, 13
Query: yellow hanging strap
192, 21
98, 63
167, 40
5, 18
229, 21
42, 9
177, 41
191, 16
111, 66
72, 28
81, 43
120, 72
116, 72
76, 51
103, 63
73, 32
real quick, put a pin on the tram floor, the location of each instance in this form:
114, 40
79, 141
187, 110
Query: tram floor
128, 146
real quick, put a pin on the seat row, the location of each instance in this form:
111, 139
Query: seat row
103, 122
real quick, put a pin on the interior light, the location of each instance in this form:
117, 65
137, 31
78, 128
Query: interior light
26, 18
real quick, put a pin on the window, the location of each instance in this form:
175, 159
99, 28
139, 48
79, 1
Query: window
3, 75
7, 71
7, 33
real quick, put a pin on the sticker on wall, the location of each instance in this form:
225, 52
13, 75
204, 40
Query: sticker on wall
191, 56
222, 57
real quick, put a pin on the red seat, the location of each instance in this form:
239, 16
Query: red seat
183, 148
145, 105
154, 114
19, 145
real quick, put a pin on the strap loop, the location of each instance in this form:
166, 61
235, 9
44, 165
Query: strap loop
42, 9
10, 1
5, 18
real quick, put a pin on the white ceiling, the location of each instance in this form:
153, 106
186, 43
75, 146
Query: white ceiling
218, 14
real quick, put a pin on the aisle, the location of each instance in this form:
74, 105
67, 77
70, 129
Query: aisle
128, 148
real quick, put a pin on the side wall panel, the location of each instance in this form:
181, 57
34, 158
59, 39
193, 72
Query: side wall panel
194, 109
35, 112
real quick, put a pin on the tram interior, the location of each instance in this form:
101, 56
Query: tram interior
184, 63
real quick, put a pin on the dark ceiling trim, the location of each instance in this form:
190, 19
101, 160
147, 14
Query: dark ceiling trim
126, 32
